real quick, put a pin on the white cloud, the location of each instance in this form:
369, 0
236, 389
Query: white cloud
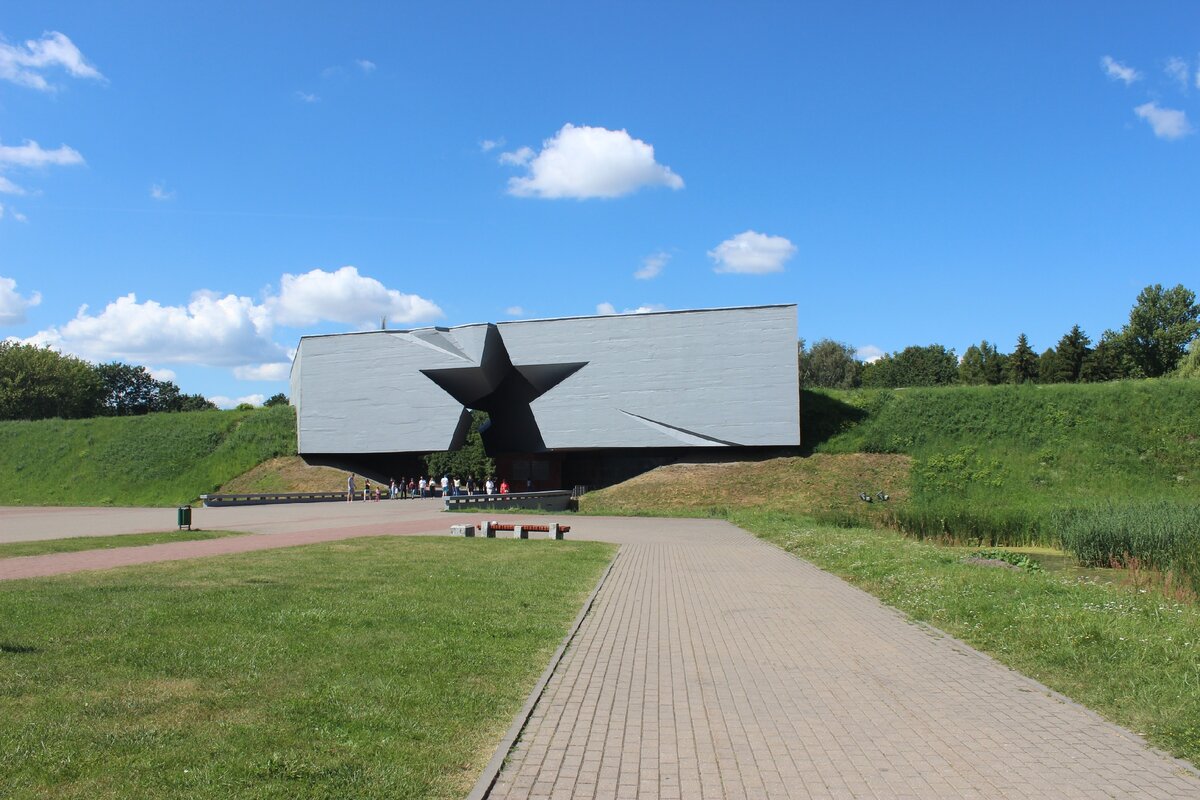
224, 402
583, 162
8, 187
518, 158
1168, 123
161, 374
366, 66
13, 305
752, 253
869, 353
488, 145
345, 296
607, 309
1177, 69
32, 154
306, 97
276, 371
23, 65
1118, 71
227, 330
211, 330
652, 265
514, 311
17, 215
159, 192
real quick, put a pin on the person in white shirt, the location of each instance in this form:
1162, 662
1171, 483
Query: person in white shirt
445, 486
423, 486
490, 486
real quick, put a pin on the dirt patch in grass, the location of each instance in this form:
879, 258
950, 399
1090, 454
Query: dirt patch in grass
822, 485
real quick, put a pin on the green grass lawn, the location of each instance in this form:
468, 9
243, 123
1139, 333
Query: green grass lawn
77, 543
378, 667
152, 460
1128, 652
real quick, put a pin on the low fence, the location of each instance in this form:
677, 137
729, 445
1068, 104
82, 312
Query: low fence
542, 501
268, 498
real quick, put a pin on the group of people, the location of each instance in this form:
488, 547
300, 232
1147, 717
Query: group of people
406, 488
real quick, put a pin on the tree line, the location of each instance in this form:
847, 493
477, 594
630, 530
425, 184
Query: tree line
1160, 339
40, 383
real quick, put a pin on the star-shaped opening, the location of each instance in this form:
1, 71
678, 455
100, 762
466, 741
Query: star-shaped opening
505, 392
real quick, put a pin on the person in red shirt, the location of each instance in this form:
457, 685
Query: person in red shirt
503, 487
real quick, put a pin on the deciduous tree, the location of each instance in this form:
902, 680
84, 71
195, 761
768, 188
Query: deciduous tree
1161, 324
38, 383
830, 365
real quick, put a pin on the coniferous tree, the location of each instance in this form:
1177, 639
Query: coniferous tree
1107, 362
982, 363
1049, 368
1072, 350
993, 363
1023, 363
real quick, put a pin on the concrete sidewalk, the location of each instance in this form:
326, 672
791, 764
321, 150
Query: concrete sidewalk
713, 665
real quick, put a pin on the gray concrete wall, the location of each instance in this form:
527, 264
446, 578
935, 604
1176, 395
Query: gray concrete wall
699, 378
695, 378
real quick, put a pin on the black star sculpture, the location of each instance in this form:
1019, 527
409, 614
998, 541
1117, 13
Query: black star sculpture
504, 391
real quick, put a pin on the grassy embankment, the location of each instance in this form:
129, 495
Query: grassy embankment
1110, 471
79, 543
999, 462
158, 459
379, 667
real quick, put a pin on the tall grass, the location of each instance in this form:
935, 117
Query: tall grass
1160, 535
157, 459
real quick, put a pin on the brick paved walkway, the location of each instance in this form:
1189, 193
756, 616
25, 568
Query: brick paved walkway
715, 665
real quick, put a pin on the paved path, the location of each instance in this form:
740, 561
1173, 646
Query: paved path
713, 665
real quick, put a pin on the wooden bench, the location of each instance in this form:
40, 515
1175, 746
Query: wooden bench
519, 531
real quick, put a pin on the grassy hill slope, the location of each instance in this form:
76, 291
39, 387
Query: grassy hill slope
998, 462
158, 459
823, 486
290, 474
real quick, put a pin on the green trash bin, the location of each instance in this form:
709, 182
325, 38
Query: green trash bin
184, 517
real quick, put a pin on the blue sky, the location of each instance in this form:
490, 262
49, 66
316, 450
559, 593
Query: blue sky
214, 180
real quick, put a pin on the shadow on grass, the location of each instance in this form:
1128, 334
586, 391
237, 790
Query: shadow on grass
822, 417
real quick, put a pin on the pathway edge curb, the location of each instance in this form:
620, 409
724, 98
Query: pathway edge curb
483, 787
